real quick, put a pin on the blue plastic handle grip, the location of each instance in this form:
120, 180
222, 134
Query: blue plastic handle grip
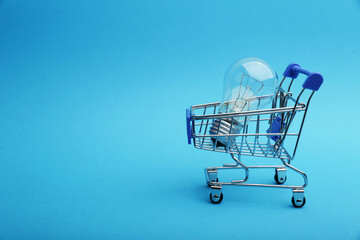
312, 82
188, 125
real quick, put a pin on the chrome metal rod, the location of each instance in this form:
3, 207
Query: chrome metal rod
259, 185
296, 170
250, 113
292, 116
245, 168
234, 166
247, 134
302, 123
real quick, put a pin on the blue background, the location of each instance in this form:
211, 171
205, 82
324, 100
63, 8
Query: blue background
92, 102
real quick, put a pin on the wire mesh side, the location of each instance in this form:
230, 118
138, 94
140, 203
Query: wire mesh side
253, 139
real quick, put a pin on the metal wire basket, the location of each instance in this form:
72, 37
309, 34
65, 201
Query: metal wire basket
261, 133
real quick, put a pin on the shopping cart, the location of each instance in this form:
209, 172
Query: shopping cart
264, 134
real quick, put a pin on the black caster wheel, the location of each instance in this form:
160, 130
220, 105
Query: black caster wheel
216, 200
217, 180
279, 180
298, 203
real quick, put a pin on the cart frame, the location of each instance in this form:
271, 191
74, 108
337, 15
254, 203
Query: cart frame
263, 135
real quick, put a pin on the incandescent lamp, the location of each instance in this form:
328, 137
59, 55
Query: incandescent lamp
249, 84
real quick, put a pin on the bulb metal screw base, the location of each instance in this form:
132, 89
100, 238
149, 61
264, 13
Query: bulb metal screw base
224, 126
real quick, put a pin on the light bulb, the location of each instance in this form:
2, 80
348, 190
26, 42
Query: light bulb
249, 84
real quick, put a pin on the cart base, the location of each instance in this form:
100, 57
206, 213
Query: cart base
216, 195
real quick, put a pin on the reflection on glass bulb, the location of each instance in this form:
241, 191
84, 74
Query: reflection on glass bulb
249, 84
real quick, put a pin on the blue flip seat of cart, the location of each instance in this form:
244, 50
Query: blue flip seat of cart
276, 126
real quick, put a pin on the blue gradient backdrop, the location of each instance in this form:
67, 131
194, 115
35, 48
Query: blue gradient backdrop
92, 104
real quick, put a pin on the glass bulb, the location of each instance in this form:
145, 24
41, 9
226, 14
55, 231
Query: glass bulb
249, 84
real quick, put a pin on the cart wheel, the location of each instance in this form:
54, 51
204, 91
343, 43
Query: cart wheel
299, 203
279, 180
217, 180
216, 199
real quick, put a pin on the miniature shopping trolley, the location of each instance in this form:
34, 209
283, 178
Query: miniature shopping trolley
270, 133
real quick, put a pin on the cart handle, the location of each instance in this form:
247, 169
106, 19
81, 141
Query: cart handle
312, 82
188, 126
